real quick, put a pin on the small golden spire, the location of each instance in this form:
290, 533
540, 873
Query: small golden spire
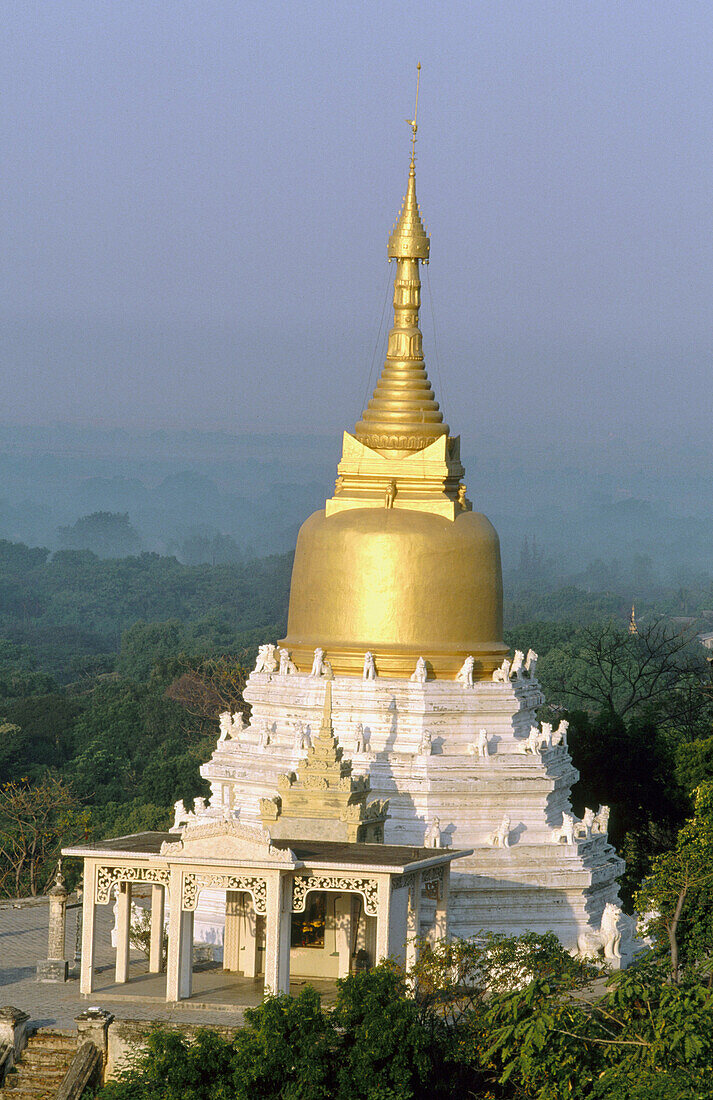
408, 238
327, 708
403, 414
633, 628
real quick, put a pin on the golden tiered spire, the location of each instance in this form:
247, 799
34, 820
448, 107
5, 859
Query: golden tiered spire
403, 414
633, 628
398, 564
323, 798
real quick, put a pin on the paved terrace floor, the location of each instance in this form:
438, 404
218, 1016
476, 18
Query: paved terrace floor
218, 997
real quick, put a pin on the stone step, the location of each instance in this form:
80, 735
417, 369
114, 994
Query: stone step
35, 1055
18, 1085
54, 1033
40, 1060
28, 1093
31, 1073
58, 1045
34, 1084
44, 1063
54, 1044
50, 1035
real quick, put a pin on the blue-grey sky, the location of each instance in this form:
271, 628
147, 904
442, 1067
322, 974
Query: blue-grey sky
196, 199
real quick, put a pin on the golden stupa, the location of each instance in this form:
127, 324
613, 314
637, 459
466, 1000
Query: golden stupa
398, 563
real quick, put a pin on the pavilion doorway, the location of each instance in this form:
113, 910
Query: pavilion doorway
331, 936
244, 936
243, 953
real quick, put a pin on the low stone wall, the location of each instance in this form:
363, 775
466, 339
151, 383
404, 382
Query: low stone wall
41, 899
127, 1040
118, 1043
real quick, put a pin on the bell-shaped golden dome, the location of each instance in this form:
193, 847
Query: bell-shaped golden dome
397, 563
402, 584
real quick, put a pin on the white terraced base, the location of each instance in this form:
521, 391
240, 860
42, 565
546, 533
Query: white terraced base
535, 884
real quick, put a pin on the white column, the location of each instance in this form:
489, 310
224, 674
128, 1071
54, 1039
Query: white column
343, 932
440, 927
158, 914
174, 935
88, 926
398, 922
185, 964
123, 918
383, 918
413, 920
231, 939
277, 933
285, 933
248, 937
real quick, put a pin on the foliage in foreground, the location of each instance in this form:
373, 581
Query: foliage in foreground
644, 1029
552, 1039
375, 1044
678, 894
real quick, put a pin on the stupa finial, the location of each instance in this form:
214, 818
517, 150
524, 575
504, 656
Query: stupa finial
409, 240
403, 414
412, 121
327, 709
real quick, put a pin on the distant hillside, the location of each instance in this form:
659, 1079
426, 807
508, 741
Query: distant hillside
70, 609
213, 498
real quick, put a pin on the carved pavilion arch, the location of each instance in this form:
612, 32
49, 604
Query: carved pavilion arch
278, 877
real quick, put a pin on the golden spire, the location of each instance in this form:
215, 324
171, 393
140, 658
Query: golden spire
403, 414
326, 726
633, 628
398, 564
323, 798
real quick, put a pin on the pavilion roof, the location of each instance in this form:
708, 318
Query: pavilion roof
395, 858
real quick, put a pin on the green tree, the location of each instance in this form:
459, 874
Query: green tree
107, 534
41, 736
540, 636
694, 763
390, 1048
144, 645
546, 1039
607, 669
289, 1049
629, 767
679, 891
208, 686
375, 1044
172, 1068
131, 742
36, 819
644, 1031
19, 672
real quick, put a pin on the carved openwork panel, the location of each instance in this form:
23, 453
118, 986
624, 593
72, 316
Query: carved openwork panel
367, 887
193, 883
399, 881
432, 882
110, 876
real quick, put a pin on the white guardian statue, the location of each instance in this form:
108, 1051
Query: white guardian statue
466, 673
